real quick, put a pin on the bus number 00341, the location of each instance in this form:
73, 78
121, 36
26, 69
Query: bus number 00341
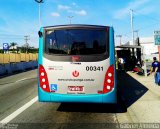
94, 68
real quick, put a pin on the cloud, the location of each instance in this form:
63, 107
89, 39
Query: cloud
136, 4
67, 8
74, 4
55, 14
63, 7
80, 12
146, 10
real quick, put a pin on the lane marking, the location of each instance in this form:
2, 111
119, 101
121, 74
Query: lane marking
25, 79
18, 111
22, 79
18, 80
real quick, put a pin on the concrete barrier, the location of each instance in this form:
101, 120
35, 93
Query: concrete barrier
23, 57
6, 58
18, 57
2, 70
15, 62
1, 58
34, 57
10, 68
27, 57
30, 56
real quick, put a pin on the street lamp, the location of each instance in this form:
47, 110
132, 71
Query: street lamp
120, 36
70, 18
39, 10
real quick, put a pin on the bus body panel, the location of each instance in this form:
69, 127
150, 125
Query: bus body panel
93, 97
61, 75
97, 98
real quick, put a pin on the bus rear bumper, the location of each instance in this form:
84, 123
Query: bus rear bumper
97, 98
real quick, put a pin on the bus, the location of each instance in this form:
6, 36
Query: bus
77, 64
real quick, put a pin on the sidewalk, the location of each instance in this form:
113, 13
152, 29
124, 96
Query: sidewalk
148, 82
142, 98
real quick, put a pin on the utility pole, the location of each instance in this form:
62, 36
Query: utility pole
120, 36
26, 38
70, 18
39, 10
136, 31
132, 28
39, 14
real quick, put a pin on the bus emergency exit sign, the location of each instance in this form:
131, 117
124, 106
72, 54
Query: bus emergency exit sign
157, 37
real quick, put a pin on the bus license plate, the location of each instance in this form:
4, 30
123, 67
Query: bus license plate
76, 88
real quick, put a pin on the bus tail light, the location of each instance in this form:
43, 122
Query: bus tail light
43, 79
109, 80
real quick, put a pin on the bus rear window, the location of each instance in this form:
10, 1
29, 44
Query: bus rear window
76, 41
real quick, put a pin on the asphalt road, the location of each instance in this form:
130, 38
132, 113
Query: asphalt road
17, 90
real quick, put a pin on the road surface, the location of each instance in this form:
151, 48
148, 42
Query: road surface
134, 105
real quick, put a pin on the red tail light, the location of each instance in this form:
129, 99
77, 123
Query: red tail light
109, 80
75, 58
43, 79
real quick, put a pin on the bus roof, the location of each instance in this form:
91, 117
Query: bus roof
75, 25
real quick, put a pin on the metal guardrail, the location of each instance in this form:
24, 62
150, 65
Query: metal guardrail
20, 57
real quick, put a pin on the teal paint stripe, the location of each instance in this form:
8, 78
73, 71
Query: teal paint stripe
40, 54
111, 46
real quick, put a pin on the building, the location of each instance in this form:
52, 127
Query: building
149, 49
148, 45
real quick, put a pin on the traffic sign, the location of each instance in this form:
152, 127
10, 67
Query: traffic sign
5, 46
157, 37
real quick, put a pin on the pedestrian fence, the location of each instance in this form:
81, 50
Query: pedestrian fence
18, 57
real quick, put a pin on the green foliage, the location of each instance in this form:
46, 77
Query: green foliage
1, 51
13, 44
24, 50
35, 50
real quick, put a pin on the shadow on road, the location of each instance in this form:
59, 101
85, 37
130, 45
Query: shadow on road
92, 108
129, 88
129, 91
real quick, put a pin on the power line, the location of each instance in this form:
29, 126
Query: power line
70, 19
26, 38
151, 18
146, 27
120, 37
10, 38
16, 35
156, 20
10, 35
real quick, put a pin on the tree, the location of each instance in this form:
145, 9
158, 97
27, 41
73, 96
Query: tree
26, 47
12, 45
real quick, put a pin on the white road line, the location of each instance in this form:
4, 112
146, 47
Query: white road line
22, 79
18, 111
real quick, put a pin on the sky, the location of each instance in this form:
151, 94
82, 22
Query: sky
19, 18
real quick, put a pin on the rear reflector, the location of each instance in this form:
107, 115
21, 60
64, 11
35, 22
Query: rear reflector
43, 79
109, 80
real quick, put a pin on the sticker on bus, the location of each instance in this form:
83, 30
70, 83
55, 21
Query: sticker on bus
54, 87
76, 88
